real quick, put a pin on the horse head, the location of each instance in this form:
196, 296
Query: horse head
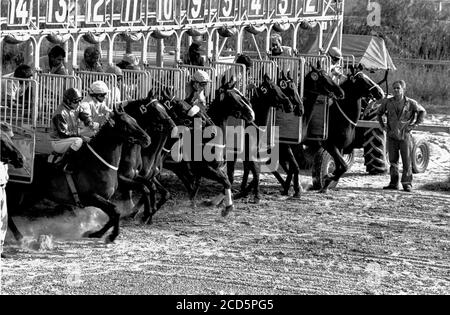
363, 85
289, 88
10, 154
317, 81
127, 128
273, 95
231, 102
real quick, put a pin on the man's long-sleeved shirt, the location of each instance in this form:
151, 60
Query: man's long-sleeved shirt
400, 116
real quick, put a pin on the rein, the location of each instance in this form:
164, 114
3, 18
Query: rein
101, 159
343, 113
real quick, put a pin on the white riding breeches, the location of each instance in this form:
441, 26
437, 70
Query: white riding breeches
62, 145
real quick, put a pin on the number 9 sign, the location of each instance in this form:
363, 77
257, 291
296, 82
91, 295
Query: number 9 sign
196, 9
19, 12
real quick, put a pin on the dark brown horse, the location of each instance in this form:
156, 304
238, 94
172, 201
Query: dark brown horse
344, 115
95, 172
139, 167
229, 102
268, 95
317, 82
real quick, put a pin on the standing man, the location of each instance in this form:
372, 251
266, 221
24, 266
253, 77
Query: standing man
55, 62
335, 55
276, 47
403, 115
91, 61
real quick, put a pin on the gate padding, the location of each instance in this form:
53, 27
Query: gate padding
18, 108
290, 125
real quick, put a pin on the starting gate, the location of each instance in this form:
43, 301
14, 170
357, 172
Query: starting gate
73, 24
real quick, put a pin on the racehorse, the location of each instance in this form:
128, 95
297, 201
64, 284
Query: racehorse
95, 168
10, 154
344, 118
317, 82
229, 101
268, 95
139, 167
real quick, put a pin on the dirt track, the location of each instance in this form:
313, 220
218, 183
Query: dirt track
358, 239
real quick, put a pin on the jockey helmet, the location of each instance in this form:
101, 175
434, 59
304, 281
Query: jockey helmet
201, 77
98, 87
72, 95
335, 53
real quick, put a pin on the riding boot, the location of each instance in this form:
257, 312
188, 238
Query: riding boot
64, 163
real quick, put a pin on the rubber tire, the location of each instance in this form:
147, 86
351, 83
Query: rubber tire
374, 147
420, 157
324, 164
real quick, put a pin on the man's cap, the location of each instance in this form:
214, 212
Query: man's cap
335, 52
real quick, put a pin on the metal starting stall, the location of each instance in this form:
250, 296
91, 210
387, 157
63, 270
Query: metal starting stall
145, 25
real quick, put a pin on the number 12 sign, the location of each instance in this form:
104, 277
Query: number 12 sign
19, 12
95, 11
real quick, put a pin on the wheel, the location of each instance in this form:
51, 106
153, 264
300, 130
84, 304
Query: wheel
420, 156
374, 145
323, 165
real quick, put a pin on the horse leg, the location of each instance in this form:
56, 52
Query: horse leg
230, 171
221, 177
111, 210
148, 216
341, 168
165, 194
137, 184
294, 171
12, 226
244, 191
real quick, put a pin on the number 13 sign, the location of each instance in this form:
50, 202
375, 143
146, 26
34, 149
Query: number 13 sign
19, 12
57, 11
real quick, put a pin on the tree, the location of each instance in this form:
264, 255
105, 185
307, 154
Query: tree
412, 29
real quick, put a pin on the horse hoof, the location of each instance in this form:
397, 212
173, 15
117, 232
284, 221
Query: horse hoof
110, 239
284, 193
257, 200
207, 203
90, 234
240, 195
296, 195
227, 210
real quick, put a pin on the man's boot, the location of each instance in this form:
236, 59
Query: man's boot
64, 163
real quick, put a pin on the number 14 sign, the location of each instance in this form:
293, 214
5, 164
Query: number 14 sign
19, 12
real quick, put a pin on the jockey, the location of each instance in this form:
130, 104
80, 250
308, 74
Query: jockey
64, 136
196, 89
248, 63
93, 109
91, 61
336, 57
